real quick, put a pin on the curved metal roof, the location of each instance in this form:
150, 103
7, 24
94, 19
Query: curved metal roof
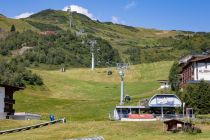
165, 100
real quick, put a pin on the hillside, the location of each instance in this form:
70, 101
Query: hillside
135, 45
6, 23
121, 37
78, 92
1, 15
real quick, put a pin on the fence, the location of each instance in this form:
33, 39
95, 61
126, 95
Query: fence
32, 126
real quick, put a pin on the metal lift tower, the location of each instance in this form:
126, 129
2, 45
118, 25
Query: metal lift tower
121, 67
92, 47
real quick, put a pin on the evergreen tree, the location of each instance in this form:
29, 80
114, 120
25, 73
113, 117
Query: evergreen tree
198, 96
13, 29
174, 77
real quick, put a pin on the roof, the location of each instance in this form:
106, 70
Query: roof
194, 58
131, 107
196, 81
11, 87
200, 58
163, 80
164, 100
179, 121
167, 121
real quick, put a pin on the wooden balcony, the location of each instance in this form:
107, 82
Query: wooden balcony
9, 110
9, 101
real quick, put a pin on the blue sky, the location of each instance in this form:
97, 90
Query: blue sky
193, 15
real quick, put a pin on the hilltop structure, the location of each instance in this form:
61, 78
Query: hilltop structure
194, 68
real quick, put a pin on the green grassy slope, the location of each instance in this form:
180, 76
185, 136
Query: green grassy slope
6, 23
82, 94
120, 37
115, 33
109, 130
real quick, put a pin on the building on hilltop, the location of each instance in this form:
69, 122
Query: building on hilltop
194, 68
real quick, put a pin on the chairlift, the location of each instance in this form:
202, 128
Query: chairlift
109, 72
127, 98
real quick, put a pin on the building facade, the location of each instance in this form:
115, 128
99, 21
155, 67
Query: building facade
7, 101
194, 68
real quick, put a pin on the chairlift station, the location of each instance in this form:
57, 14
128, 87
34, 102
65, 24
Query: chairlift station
160, 106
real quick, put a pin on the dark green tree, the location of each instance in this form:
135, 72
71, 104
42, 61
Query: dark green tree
13, 29
198, 96
174, 77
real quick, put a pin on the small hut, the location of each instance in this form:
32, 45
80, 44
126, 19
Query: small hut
164, 84
176, 125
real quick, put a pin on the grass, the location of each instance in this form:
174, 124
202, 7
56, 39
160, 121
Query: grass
6, 23
82, 90
108, 129
77, 93
85, 98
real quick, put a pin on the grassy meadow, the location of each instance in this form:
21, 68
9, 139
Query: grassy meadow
85, 98
81, 94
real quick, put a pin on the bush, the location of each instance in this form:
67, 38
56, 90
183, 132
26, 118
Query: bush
192, 130
198, 97
15, 74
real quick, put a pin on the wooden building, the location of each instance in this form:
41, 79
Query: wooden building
174, 125
6, 100
194, 68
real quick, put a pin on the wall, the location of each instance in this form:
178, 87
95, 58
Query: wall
202, 71
2, 96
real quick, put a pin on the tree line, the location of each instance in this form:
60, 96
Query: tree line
63, 48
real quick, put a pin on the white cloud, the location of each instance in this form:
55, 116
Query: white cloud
24, 15
115, 19
80, 10
130, 5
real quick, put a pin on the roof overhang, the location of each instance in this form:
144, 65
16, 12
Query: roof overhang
131, 107
165, 100
11, 87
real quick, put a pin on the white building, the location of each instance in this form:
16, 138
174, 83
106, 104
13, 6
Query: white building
195, 68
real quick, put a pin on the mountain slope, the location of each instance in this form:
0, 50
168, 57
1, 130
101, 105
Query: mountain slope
120, 37
6, 23
1, 15
135, 45
115, 33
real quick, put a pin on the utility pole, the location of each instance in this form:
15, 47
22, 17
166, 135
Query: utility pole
92, 47
121, 67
